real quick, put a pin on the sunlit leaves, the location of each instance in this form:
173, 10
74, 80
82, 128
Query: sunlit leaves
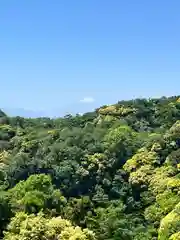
35, 194
28, 227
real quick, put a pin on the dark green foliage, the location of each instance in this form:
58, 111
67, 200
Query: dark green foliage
115, 170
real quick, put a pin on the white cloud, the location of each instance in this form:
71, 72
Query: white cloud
87, 100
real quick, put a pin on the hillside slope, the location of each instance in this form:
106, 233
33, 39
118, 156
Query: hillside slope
110, 174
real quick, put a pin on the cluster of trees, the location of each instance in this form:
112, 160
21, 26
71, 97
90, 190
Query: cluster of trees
109, 174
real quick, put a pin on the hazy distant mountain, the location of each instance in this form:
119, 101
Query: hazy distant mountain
49, 113
23, 112
80, 107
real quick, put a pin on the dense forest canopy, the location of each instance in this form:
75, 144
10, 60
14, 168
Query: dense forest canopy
109, 174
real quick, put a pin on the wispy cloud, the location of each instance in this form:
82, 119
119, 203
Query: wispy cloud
87, 100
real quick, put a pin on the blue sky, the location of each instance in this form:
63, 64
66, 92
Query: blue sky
71, 56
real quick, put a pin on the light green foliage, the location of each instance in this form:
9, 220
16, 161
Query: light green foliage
31, 227
97, 161
175, 236
118, 134
153, 214
4, 158
120, 140
170, 224
143, 157
161, 176
142, 176
35, 194
167, 201
116, 110
174, 184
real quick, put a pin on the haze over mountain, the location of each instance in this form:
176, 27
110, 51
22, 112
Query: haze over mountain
73, 109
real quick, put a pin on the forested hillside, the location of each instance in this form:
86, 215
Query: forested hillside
110, 174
